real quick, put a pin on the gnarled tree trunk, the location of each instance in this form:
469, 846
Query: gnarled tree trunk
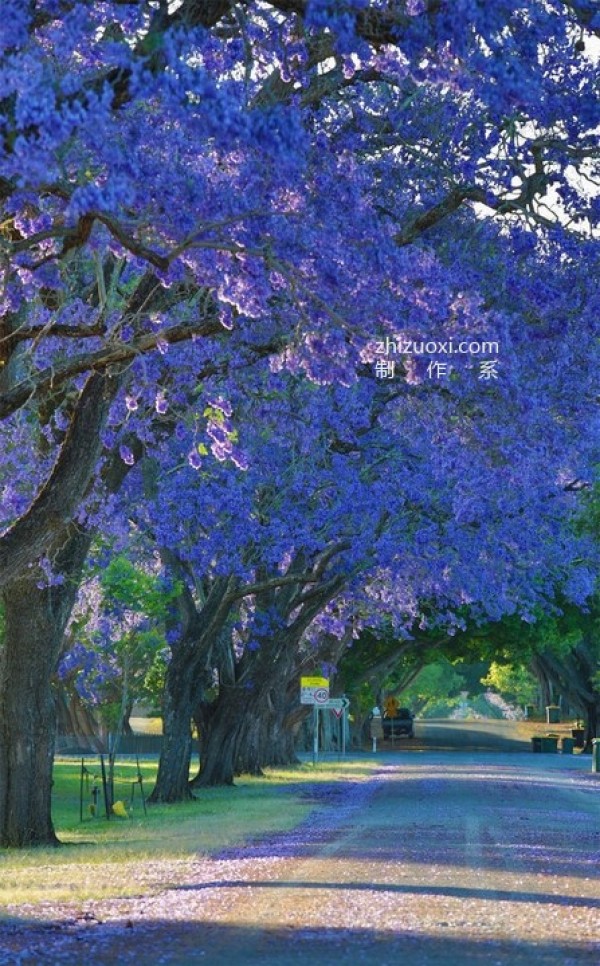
35, 623
219, 725
188, 676
241, 729
172, 780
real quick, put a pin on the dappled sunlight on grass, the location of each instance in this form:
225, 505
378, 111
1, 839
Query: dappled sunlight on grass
350, 769
123, 856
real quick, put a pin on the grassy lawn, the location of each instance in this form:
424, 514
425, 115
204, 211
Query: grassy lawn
126, 856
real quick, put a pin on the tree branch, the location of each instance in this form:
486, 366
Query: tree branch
102, 359
61, 496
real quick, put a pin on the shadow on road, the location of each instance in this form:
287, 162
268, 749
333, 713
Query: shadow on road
185, 942
454, 892
526, 820
443, 734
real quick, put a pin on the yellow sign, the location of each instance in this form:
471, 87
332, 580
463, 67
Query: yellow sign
390, 706
314, 690
314, 682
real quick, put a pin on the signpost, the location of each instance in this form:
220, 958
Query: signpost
339, 706
376, 726
315, 691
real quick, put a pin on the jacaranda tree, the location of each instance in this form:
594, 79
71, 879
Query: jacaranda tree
247, 179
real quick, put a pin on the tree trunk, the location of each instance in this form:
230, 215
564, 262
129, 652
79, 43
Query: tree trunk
219, 726
574, 674
540, 672
242, 728
279, 751
235, 730
288, 715
253, 740
35, 623
188, 676
173, 778
28, 723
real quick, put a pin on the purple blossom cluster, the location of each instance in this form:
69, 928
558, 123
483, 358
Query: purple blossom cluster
207, 222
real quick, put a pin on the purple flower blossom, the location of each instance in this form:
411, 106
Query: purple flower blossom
126, 455
194, 459
160, 403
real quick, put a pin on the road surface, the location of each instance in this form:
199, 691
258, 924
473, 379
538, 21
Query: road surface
443, 734
437, 859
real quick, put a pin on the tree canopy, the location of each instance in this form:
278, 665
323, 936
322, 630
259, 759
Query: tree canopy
304, 294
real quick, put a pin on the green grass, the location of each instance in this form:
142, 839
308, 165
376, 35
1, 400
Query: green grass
127, 856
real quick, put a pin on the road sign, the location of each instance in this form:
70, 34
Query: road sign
337, 704
314, 682
314, 690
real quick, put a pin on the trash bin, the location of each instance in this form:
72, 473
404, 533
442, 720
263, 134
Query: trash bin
578, 737
536, 744
550, 744
552, 714
596, 755
567, 745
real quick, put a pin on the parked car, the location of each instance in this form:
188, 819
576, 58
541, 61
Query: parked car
401, 724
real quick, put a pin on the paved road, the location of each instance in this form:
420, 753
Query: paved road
440, 734
436, 860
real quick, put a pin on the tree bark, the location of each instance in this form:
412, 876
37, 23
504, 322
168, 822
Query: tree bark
35, 622
240, 729
252, 744
188, 676
278, 748
60, 497
219, 728
172, 780
235, 729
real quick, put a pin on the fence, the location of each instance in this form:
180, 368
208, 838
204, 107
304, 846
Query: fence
142, 745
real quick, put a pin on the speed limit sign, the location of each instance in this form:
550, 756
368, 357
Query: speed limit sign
314, 690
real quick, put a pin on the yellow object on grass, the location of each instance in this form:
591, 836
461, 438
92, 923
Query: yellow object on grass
120, 810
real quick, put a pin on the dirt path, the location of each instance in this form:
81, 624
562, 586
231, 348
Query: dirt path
441, 859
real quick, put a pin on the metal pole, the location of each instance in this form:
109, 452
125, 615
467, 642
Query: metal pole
81, 791
343, 731
315, 733
107, 805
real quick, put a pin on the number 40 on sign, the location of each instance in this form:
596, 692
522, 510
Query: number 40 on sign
314, 690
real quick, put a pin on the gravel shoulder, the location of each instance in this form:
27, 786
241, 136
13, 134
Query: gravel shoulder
439, 859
